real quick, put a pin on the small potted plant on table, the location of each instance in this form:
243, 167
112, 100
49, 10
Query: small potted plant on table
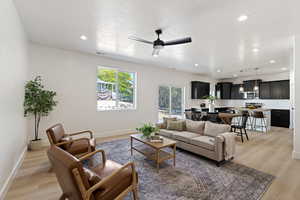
148, 130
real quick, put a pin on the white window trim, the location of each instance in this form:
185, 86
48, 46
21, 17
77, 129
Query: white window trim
117, 90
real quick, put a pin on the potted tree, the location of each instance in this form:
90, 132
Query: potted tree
38, 102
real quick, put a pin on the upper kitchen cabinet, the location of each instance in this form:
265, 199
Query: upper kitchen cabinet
223, 90
264, 90
285, 85
249, 85
275, 90
199, 89
235, 92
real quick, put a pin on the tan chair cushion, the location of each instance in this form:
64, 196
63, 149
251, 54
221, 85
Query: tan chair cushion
81, 146
66, 139
195, 126
205, 142
184, 136
92, 177
178, 125
56, 132
112, 188
213, 129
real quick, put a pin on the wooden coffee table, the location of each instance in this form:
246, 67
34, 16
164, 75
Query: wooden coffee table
153, 150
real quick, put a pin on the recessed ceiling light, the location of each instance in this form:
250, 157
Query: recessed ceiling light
255, 50
83, 37
242, 18
155, 55
235, 75
272, 61
283, 68
196, 65
218, 70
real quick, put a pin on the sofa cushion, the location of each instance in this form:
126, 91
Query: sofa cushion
178, 125
184, 136
195, 126
213, 129
167, 133
165, 121
205, 142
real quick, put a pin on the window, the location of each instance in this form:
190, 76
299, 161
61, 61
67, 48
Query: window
171, 101
115, 89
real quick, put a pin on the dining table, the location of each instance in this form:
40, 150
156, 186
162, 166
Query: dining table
227, 117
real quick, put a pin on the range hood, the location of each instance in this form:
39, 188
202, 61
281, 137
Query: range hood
249, 85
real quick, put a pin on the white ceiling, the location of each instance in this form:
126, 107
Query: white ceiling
219, 40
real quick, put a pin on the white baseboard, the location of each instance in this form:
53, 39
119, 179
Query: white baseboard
114, 133
296, 155
46, 143
12, 175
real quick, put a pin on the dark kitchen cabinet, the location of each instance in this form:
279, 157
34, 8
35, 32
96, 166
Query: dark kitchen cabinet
285, 89
223, 90
280, 118
274, 90
235, 92
250, 84
199, 89
264, 90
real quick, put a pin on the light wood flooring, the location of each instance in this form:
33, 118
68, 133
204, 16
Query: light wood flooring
270, 153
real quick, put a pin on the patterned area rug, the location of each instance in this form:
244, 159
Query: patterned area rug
193, 178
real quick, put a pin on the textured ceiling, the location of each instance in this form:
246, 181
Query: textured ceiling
220, 42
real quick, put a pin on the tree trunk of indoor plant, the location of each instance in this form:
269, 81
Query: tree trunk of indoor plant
36, 143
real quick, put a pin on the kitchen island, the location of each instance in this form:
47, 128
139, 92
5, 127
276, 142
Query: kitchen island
259, 122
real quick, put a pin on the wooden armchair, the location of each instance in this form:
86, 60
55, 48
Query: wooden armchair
106, 181
57, 136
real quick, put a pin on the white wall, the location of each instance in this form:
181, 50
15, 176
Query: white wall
296, 82
13, 70
73, 76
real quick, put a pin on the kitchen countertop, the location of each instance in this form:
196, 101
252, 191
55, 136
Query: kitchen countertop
256, 109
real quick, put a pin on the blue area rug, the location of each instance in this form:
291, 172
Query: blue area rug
193, 178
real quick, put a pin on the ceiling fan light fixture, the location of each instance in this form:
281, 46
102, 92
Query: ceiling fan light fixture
159, 44
155, 52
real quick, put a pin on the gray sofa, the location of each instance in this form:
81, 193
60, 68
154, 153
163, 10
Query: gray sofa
199, 137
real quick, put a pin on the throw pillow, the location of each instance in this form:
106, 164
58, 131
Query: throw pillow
92, 177
165, 119
213, 129
160, 125
176, 125
195, 126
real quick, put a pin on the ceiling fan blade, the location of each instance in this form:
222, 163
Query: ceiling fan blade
179, 41
139, 39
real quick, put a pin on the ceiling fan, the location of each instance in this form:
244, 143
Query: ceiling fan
158, 44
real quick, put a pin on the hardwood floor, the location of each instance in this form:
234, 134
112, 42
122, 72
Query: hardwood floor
270, 153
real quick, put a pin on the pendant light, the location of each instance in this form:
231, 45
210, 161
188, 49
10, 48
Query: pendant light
256, 88
241, 88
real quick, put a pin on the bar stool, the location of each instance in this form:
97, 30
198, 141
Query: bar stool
256, 116
236, 120
242, 126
